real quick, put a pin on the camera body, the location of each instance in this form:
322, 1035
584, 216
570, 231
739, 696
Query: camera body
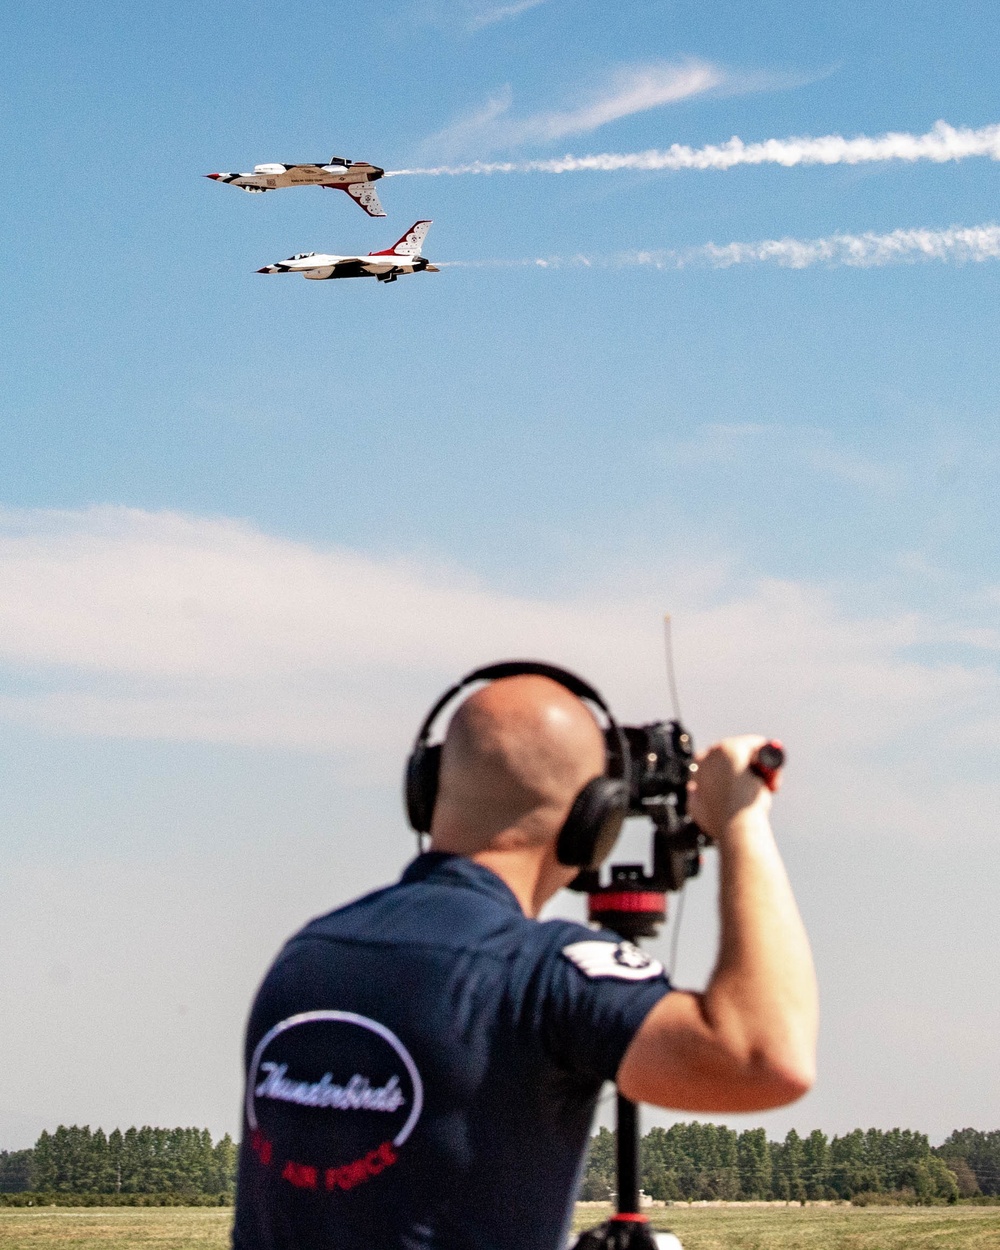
661, 763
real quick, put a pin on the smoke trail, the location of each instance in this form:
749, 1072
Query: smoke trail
941, 143
863, 251
956, 245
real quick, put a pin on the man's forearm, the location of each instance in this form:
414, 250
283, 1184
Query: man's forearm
748, 1042
762, 994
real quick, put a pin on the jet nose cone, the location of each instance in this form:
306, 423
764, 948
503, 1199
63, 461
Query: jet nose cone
213, 176
268, 269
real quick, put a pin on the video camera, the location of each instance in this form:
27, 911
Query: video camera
661, 763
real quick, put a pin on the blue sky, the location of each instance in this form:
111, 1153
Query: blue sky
249, 526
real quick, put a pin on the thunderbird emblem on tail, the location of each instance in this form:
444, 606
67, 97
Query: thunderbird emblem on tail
354, 177
403, 257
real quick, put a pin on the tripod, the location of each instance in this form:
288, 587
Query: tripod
634, 905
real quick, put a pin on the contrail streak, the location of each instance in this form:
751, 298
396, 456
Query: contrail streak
940, 144
864, 251
956, 245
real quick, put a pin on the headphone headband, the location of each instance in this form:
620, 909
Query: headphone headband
533, 668
596, 815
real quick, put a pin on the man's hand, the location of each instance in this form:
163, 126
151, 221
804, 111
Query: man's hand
749, 1041
725, 787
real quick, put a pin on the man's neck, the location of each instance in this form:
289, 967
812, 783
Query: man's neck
525, 873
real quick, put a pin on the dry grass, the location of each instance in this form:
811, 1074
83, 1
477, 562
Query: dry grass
700, 1228
823, 1228
101, 1228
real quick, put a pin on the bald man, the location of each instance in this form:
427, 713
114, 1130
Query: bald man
423, 1064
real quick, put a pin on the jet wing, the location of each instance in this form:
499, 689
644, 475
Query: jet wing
245, 182
366, 195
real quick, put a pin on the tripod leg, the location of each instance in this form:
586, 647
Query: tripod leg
627, 1148
629, 1229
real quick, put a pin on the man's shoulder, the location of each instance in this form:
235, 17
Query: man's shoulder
430, 914
423, 914
598, 954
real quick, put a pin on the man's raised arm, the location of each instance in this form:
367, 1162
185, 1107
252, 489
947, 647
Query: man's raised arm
749, 1041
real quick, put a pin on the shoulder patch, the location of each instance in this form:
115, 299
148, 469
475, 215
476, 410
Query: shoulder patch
621, 960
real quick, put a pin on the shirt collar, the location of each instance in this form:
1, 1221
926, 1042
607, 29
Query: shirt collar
444, 868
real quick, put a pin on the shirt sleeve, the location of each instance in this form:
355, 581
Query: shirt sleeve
595, 992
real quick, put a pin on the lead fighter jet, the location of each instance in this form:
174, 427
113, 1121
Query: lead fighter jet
354, 177
402, 257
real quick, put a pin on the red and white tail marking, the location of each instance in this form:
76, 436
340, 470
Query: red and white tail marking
410, 243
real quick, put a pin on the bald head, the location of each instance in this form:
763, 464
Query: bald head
515, 756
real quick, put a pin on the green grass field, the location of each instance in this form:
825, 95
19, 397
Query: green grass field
822, 1228
700, 1228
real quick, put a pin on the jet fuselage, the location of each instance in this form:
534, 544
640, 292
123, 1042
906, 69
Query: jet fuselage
343, 175
402, 258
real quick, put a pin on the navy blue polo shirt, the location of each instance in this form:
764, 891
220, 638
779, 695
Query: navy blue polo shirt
422, 1069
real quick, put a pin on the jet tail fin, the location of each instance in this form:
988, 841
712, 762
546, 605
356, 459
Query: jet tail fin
364, 193
411, 242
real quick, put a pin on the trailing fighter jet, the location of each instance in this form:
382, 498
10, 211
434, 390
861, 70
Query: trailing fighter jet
354, 177
402, 257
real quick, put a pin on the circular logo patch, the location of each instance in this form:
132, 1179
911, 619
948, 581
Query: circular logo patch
331, 1096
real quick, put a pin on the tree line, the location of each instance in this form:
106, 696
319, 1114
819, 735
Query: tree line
693, 1162
144, 1160
687, 1162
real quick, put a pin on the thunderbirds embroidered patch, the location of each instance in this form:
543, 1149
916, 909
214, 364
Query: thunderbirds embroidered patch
613, 959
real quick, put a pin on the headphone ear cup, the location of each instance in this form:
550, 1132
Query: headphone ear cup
593, 824
423, 769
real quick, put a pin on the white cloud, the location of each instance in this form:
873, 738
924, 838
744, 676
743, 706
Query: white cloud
470, 16
491, 15
120, 622
632, 89
116, 622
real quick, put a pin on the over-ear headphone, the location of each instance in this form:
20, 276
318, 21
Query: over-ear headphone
596, 816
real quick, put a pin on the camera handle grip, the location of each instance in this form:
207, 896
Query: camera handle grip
766, 762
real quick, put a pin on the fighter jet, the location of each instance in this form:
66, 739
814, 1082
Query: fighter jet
402, 257
354, 177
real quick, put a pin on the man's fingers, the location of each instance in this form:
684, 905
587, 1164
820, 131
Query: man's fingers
726, 781
738, 750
